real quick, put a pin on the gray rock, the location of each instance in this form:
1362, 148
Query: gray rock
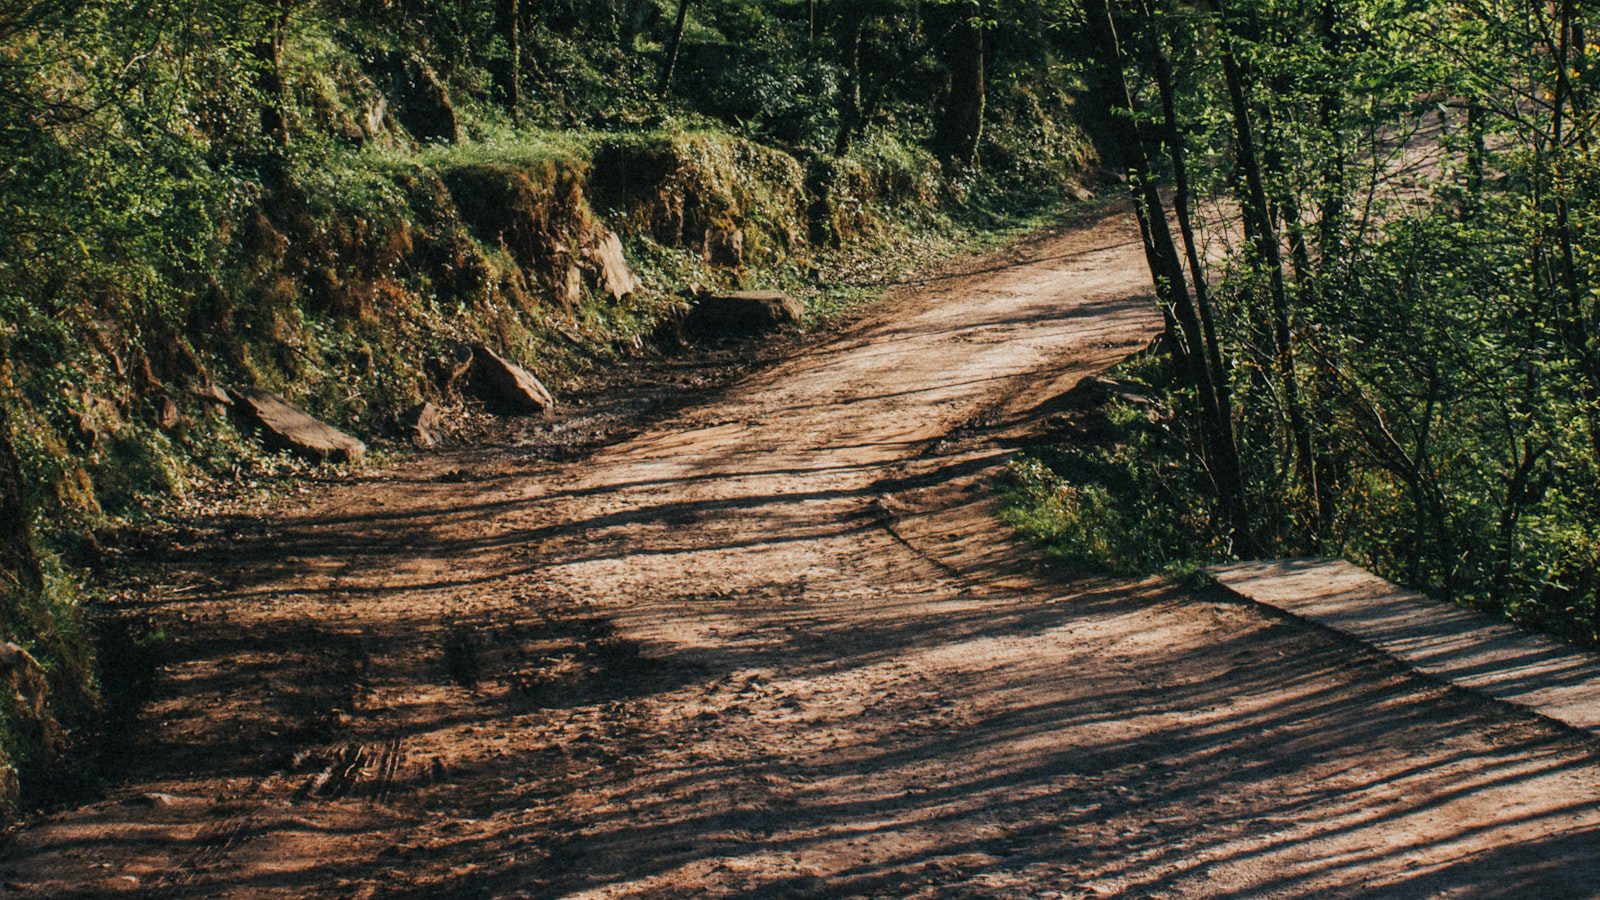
742, 314
511, 385
284, 426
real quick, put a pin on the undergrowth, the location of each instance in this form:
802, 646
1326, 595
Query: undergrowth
1112, 491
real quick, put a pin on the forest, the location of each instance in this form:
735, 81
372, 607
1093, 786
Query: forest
1369, 226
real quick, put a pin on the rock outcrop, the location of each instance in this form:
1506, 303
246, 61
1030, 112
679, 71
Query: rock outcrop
612, 275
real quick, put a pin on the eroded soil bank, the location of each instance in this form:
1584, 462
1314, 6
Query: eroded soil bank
775, 643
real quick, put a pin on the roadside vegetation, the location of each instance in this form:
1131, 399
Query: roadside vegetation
1384, 335
323, 198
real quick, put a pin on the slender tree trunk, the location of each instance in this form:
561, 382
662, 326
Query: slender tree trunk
1330, 112
670, 63
1578, 315
1182, 204
961, 128
270, 81
17, 559
1477, 155
850, 111
1269, 258
1167, 274
507, 71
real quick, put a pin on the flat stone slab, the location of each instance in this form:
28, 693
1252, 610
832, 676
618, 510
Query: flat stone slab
743, 313
1468, 649
284, 426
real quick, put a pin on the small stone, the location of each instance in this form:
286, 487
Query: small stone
214, 395
13, 656
154, 800
167, 414
421, 425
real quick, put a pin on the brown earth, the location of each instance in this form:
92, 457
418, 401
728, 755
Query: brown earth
776, 644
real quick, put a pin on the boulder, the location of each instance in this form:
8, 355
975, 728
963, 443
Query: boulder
610, 267
509, 384
742, 314
421, 425
284, 426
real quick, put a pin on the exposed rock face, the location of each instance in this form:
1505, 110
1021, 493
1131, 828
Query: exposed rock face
422, 424
612, 275
284, 426
742, 314
725, 248
509, 384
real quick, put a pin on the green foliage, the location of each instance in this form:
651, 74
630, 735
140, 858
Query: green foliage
319, 196
1102, 506
1429, 181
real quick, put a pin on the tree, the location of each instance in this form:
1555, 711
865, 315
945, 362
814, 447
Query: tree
670, 61
507, 70
960, 131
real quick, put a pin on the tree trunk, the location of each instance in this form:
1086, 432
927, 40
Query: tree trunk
670, 62
1330, 111
961, 127
270, 82
850, 111
1171, 286
17, 559
1182, 202
507, 70
1269, 259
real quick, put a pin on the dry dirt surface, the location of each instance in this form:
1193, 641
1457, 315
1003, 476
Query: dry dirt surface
775, 644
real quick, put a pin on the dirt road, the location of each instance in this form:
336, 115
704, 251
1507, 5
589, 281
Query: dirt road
776, 645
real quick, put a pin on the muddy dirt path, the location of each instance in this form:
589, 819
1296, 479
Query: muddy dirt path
777, 645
